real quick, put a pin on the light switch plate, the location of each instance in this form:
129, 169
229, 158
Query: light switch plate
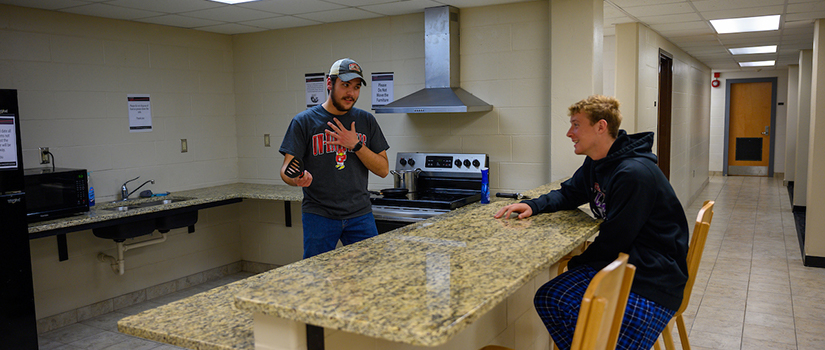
266, 140
183, 146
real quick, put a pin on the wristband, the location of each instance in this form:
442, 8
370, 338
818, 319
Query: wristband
357, 147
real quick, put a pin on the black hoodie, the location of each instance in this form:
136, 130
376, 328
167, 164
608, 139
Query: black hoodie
642, 217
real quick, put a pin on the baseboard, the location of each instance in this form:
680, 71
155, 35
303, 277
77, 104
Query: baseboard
814, 261
83, 313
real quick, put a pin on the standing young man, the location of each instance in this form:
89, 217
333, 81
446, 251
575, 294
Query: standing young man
642, 217
339, 145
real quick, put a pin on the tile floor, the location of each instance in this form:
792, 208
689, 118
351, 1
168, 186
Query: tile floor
101, 332
752, 291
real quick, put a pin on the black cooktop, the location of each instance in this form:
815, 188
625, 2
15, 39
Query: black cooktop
430, 199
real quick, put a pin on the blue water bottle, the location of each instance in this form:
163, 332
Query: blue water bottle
485, 185
91, 189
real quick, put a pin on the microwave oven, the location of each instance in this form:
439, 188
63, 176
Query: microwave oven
55, 193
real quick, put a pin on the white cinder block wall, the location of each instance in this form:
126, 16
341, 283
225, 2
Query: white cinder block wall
690, 118
72, 74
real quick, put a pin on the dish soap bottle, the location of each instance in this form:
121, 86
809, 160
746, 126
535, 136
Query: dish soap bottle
91, 189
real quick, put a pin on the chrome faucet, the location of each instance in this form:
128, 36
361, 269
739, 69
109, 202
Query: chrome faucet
124, 192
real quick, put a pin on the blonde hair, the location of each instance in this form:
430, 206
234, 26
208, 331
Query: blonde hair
598, 107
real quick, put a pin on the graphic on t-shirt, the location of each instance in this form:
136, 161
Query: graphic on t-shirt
340, 158
321, 145
599, 208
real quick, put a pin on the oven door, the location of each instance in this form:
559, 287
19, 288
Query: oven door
388, 218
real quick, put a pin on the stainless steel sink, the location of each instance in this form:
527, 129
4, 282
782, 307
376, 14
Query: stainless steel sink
134, 205
163, 223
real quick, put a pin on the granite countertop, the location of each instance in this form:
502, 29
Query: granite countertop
99, 212
420, 284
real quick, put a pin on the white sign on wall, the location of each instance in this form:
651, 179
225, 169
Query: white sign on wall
316, 89
8, 143
382, 93
140, 113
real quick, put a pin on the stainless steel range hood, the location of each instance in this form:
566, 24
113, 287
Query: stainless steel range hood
441, 93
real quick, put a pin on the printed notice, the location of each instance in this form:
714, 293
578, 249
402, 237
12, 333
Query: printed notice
382, 89
316, 89
8, 143
140, 113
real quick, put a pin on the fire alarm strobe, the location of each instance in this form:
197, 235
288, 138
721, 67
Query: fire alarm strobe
715, 82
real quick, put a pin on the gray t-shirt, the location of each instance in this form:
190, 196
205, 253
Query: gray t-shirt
339, 179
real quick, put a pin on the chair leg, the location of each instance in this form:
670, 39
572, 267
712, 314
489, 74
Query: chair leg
656, 345
668, 337
680, 323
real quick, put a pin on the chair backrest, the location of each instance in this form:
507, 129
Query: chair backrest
603, 306
696, 248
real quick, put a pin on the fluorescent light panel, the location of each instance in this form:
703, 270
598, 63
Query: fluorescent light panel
757, 63
233, 2
745, 24
753, 50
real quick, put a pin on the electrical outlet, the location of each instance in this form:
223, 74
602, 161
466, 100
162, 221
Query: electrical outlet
183, 146
266, 140
44, 155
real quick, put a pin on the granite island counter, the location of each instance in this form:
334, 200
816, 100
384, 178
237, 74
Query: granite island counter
442, 282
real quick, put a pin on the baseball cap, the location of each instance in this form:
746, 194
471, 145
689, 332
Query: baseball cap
346, 69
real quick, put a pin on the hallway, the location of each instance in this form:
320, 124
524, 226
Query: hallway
752, 291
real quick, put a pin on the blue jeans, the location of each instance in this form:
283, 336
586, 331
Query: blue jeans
322, 234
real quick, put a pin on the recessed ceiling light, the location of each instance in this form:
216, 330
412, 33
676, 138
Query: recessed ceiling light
233, 2
753, 49
745, 24
757, 63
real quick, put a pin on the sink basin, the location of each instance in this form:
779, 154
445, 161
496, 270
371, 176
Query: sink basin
164, 223
122, 232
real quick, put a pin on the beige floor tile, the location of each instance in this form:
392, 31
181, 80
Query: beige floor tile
707, 340
759, 344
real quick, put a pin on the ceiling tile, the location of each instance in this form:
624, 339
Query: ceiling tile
180, 21
281, 22
682, 17
745, 12
401, 7
810, 16
45, 4
109, 11
166, 6
347, 14
291, 7
659, 9
716, 5
359, 3
629, 3
230, 14
231, 28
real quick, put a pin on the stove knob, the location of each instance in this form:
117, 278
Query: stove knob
476, 163
467, 163
458, 163
411, 161
403, 162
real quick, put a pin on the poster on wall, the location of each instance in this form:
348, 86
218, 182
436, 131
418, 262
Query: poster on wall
8, 143
316, 89
140, 113
382, 84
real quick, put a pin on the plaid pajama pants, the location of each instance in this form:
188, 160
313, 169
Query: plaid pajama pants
558, 301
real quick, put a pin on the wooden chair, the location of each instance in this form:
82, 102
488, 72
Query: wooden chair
602, 309
694, 256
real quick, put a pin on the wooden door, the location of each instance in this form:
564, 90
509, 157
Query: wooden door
749, 126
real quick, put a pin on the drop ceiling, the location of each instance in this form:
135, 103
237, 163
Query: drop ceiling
684, 23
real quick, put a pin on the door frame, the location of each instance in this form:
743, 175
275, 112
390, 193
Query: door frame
728, 82
664, 113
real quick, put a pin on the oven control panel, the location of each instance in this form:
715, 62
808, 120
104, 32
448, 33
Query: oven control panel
442, 162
